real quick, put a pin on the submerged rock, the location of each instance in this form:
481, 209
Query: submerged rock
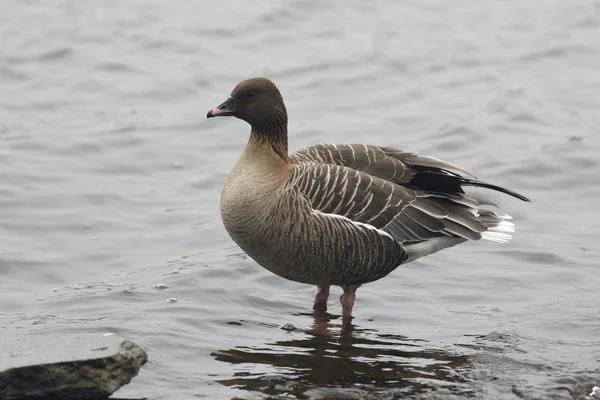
68, 366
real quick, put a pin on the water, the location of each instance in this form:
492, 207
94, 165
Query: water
110, 177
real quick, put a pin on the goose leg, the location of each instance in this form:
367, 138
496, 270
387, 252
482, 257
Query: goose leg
347, 300
321, 298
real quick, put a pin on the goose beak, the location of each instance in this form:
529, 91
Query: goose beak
222, 110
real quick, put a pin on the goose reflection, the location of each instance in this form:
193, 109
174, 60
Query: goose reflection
341, 360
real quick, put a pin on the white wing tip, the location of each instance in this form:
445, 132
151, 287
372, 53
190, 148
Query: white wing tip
500, 233
496, 237
504, 227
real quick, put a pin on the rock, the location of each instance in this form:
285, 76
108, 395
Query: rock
68, 366
288, 327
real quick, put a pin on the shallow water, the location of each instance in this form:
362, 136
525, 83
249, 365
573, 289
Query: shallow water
110, 177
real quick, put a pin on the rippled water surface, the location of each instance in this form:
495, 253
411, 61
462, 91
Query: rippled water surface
110, 178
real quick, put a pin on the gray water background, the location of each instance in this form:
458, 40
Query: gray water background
110, 178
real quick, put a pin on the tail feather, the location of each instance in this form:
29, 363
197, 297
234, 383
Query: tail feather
499, 227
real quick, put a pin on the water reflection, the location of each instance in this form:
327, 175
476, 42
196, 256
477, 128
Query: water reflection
334, 360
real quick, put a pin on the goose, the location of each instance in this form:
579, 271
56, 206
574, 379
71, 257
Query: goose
342, 214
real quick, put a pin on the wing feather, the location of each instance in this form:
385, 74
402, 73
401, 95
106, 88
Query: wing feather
394, 195
402, 167
406, 214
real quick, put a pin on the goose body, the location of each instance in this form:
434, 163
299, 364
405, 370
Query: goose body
341, 214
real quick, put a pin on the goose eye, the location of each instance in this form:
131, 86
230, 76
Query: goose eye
250, 94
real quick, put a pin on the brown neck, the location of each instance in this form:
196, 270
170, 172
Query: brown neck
274, 133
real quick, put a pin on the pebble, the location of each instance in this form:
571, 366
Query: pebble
288, 327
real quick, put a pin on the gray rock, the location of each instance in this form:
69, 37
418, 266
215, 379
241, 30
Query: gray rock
68, 366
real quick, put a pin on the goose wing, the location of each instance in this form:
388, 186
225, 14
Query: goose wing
401, 167
362, 227
407, 215
409, 205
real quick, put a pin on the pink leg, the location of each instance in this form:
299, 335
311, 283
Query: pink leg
322, 294
321, 298
347, 300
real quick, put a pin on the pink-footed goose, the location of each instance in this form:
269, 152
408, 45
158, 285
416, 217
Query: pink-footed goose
341, 214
